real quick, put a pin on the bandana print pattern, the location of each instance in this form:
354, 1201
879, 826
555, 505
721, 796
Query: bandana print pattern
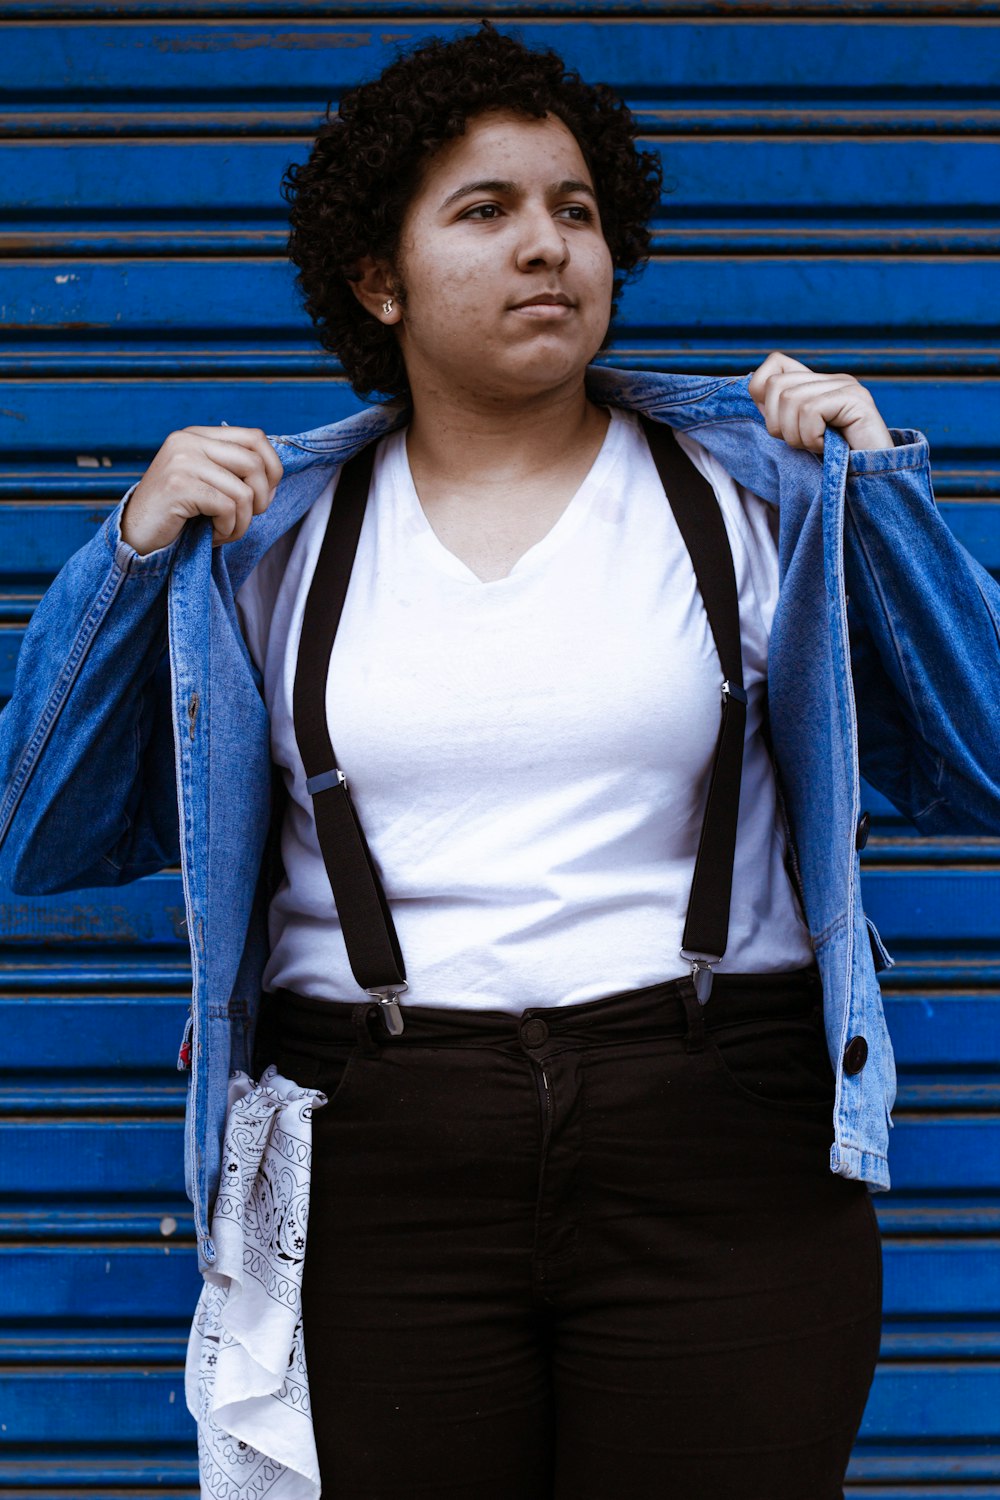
245, 1380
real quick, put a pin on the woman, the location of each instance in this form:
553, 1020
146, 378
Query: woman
589, 1210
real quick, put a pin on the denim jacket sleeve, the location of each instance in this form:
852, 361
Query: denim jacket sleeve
925, 646
87, 786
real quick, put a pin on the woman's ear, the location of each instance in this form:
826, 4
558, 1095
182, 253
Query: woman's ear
372, 285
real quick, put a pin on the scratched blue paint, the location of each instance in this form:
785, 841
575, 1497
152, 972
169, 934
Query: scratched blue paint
662, 57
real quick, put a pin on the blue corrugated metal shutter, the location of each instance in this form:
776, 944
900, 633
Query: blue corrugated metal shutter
831, 190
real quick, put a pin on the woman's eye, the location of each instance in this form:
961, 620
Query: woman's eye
577, 211
481, 210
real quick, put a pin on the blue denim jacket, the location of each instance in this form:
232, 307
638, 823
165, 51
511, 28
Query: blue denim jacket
118, 756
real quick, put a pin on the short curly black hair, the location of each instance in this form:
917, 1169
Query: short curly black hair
350, 197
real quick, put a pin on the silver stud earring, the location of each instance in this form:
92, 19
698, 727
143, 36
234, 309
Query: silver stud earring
387, 307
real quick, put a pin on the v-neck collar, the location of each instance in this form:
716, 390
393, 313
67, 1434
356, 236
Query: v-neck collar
414, 517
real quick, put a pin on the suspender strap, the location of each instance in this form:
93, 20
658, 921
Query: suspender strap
699, 519
365, 919
366, 922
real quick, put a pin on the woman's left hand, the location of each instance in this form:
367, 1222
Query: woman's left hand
798, 405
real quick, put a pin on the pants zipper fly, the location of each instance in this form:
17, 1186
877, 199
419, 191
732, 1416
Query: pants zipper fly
545, 1099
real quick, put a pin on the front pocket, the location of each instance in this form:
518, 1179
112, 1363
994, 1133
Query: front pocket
779, 1063
330, 1073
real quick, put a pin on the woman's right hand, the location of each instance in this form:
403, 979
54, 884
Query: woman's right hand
228, 473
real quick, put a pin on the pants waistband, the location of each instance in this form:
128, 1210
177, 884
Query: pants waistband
654, 1010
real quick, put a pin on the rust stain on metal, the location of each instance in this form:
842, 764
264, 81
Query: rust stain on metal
291, 41
178, 922
72, 924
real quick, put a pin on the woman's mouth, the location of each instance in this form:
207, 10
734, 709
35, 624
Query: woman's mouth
545, 306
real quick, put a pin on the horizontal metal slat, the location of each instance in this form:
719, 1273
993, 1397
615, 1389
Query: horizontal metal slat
126, 1095
927, 906
48, 1032
964, 1338
38, 537
778, 113
925, 1341
142, 1158
712, 58
72, 1345
67, 1404
904, 846
938, 1400
95, 1286
921, 1492
929, 1153
701, 355
59, 1034
694, 297
170, 1219
917, 1461
845, 178
75, 1157
86, 476
699, 296
122, 418
147, 912
100, 1475
907, 904
145, 1404
29, 973
935, 1030
392, 9
930, 1213
899, 1214
172, 234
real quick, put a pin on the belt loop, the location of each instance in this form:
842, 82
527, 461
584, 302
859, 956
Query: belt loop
360, 1014
694, 1037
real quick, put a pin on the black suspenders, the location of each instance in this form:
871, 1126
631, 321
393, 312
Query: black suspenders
369, 933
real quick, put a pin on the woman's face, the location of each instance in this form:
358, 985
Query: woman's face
506, 274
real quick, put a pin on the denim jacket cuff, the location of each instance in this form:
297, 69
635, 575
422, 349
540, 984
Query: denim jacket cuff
911, 451
148, 564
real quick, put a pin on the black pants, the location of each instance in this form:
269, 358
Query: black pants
589, 1253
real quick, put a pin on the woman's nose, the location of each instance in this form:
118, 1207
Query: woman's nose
541, 241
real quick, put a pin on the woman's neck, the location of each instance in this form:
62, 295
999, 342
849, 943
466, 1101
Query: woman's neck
458, 443
491, 485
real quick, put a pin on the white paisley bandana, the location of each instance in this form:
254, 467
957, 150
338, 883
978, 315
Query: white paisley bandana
245, 1380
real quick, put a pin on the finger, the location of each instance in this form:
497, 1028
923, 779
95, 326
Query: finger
783, 398
776, 363
811, 426
227, 499
248, 463
252, 438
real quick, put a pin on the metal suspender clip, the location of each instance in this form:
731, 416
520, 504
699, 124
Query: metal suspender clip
701, 972
387, 996
732, 690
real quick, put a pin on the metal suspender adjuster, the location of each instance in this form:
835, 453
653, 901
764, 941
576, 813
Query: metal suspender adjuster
324, 780
387, 996
732, 690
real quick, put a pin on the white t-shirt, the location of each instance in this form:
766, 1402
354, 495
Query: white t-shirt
529, 757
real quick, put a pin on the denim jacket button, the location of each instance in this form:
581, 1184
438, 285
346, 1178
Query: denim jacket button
855, 1055
864, 825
